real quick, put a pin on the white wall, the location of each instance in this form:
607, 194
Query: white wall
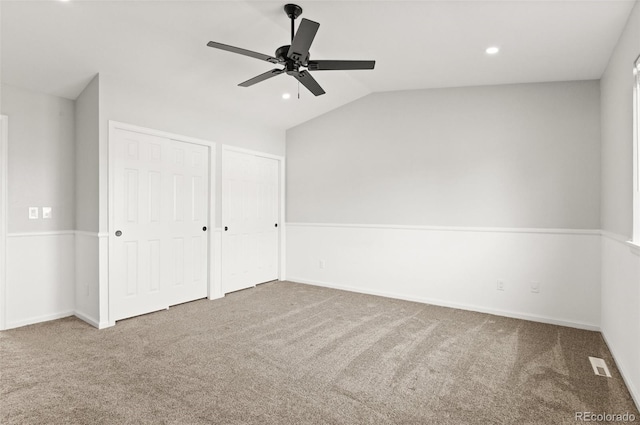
86, 157
39, 275
617, 124
524, 155
41, 152
435, 195
87, 237
620, 321
457, 267
4, 129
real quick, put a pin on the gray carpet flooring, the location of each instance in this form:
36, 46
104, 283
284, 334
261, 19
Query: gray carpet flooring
287, 353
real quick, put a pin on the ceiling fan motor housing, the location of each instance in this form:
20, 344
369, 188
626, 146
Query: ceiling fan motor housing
281, 55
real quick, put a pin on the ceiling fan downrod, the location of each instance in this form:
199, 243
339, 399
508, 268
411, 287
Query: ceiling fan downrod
292, 11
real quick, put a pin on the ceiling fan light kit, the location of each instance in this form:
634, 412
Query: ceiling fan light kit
295, 57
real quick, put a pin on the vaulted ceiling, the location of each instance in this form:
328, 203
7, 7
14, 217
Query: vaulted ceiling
56, 47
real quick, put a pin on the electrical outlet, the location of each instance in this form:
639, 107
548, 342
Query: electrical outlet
500, 285
46, 212
33, 213
535, 287
322, 264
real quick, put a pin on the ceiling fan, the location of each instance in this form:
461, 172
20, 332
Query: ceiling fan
296, 56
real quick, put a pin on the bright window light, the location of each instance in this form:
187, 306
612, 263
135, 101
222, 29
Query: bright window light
286, 96
492, 50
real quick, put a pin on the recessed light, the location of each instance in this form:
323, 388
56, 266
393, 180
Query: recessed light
286, 96
492, 50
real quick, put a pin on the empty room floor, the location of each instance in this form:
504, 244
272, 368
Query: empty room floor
288, 353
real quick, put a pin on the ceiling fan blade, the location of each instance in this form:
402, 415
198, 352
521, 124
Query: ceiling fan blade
309, 82
301, 43
244, 52
262, 77
323, 65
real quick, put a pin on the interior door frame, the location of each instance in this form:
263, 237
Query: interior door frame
4, 209
212, 290
282, 232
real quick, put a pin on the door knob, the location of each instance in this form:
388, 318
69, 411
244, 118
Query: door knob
118, 233
204, 229
226, 228
276, 224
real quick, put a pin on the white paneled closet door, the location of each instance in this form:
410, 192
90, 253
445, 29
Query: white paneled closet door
189, 172
267, 208
250, 208
160, 209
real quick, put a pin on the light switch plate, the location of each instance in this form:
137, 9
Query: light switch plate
46, 212
33, 213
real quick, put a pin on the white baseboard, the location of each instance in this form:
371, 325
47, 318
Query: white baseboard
86, 318
441, 303
38, 319
635, 394
105, 324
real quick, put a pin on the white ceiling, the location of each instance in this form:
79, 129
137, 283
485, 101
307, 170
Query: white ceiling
56, 47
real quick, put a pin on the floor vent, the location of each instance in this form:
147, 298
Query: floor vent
599, 367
